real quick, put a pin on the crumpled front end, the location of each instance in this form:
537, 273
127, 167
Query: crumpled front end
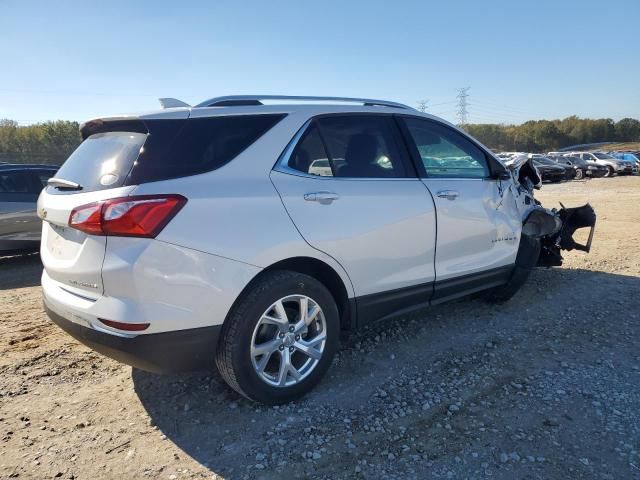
554, 229
571, 219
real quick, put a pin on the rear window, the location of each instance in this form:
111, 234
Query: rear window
170, 149
102, 161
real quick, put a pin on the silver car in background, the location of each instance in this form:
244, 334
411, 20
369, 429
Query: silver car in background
20, 185
614, 165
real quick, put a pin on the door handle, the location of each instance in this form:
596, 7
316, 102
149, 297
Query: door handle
448, 194
324, 198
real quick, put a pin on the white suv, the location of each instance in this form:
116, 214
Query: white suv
248, 235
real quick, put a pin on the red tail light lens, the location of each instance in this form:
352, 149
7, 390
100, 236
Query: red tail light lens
127, 327
87, 218
136, 216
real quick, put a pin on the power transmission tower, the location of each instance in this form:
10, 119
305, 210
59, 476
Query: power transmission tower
463, 113
423, 105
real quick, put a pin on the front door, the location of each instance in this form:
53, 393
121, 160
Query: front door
477, 222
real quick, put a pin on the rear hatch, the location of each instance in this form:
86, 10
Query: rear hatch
96, 171
114, 159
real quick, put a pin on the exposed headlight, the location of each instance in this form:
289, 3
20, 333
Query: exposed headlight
591, 167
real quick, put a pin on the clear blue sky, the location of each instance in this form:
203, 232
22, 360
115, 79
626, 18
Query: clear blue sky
522, 60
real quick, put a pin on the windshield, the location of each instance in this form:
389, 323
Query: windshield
544, 161
603, 156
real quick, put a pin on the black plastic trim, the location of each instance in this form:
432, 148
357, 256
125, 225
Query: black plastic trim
384, 305
176, 351
457, 287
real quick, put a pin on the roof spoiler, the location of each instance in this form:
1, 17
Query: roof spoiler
172, 103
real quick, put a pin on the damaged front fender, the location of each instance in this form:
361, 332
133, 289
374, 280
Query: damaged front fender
555, 230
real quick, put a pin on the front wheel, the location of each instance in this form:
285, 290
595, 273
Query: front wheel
579, 174
526, 260
279, 339
610, 172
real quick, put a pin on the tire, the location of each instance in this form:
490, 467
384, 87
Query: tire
610, 172
255, 321
579, 174
526, 260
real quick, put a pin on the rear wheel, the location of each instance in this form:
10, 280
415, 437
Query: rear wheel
280, 338
579, 174
610, 171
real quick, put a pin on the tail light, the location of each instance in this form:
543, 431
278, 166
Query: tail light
127, 327
135, 216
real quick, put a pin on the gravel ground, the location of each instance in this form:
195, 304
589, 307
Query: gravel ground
546, 386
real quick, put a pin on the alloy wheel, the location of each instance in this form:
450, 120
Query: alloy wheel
288, 341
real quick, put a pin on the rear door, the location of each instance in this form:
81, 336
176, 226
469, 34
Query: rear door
352, 193
477, 221
99, 167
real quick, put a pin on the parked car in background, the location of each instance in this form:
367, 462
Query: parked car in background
222, 239
550, 171
20, 185
628, 157
614, 165
583, 169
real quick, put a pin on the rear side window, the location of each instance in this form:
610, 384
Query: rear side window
363, 146
188, 147
170, 149
310, 156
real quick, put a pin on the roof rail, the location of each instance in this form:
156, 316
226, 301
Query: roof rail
242, 100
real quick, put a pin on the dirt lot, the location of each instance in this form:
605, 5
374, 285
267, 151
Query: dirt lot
546, 386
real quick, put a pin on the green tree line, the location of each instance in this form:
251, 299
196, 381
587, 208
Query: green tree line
53, 142
48, 142
548, 135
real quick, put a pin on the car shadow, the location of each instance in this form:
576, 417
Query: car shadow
226, 433
20, 271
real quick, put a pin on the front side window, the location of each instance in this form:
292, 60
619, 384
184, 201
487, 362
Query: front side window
446, 153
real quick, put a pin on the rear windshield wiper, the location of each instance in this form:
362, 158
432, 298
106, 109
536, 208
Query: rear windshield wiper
62, 184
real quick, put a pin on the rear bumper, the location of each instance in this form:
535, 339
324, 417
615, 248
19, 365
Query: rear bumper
175, 351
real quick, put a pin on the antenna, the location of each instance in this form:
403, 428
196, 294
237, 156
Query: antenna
463, 94
423, 105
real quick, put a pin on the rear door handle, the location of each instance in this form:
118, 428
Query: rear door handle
321, 197
448, 194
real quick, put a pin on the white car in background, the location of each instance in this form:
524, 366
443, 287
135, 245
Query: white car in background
190, 236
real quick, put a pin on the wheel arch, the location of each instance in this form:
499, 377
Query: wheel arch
321, 271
